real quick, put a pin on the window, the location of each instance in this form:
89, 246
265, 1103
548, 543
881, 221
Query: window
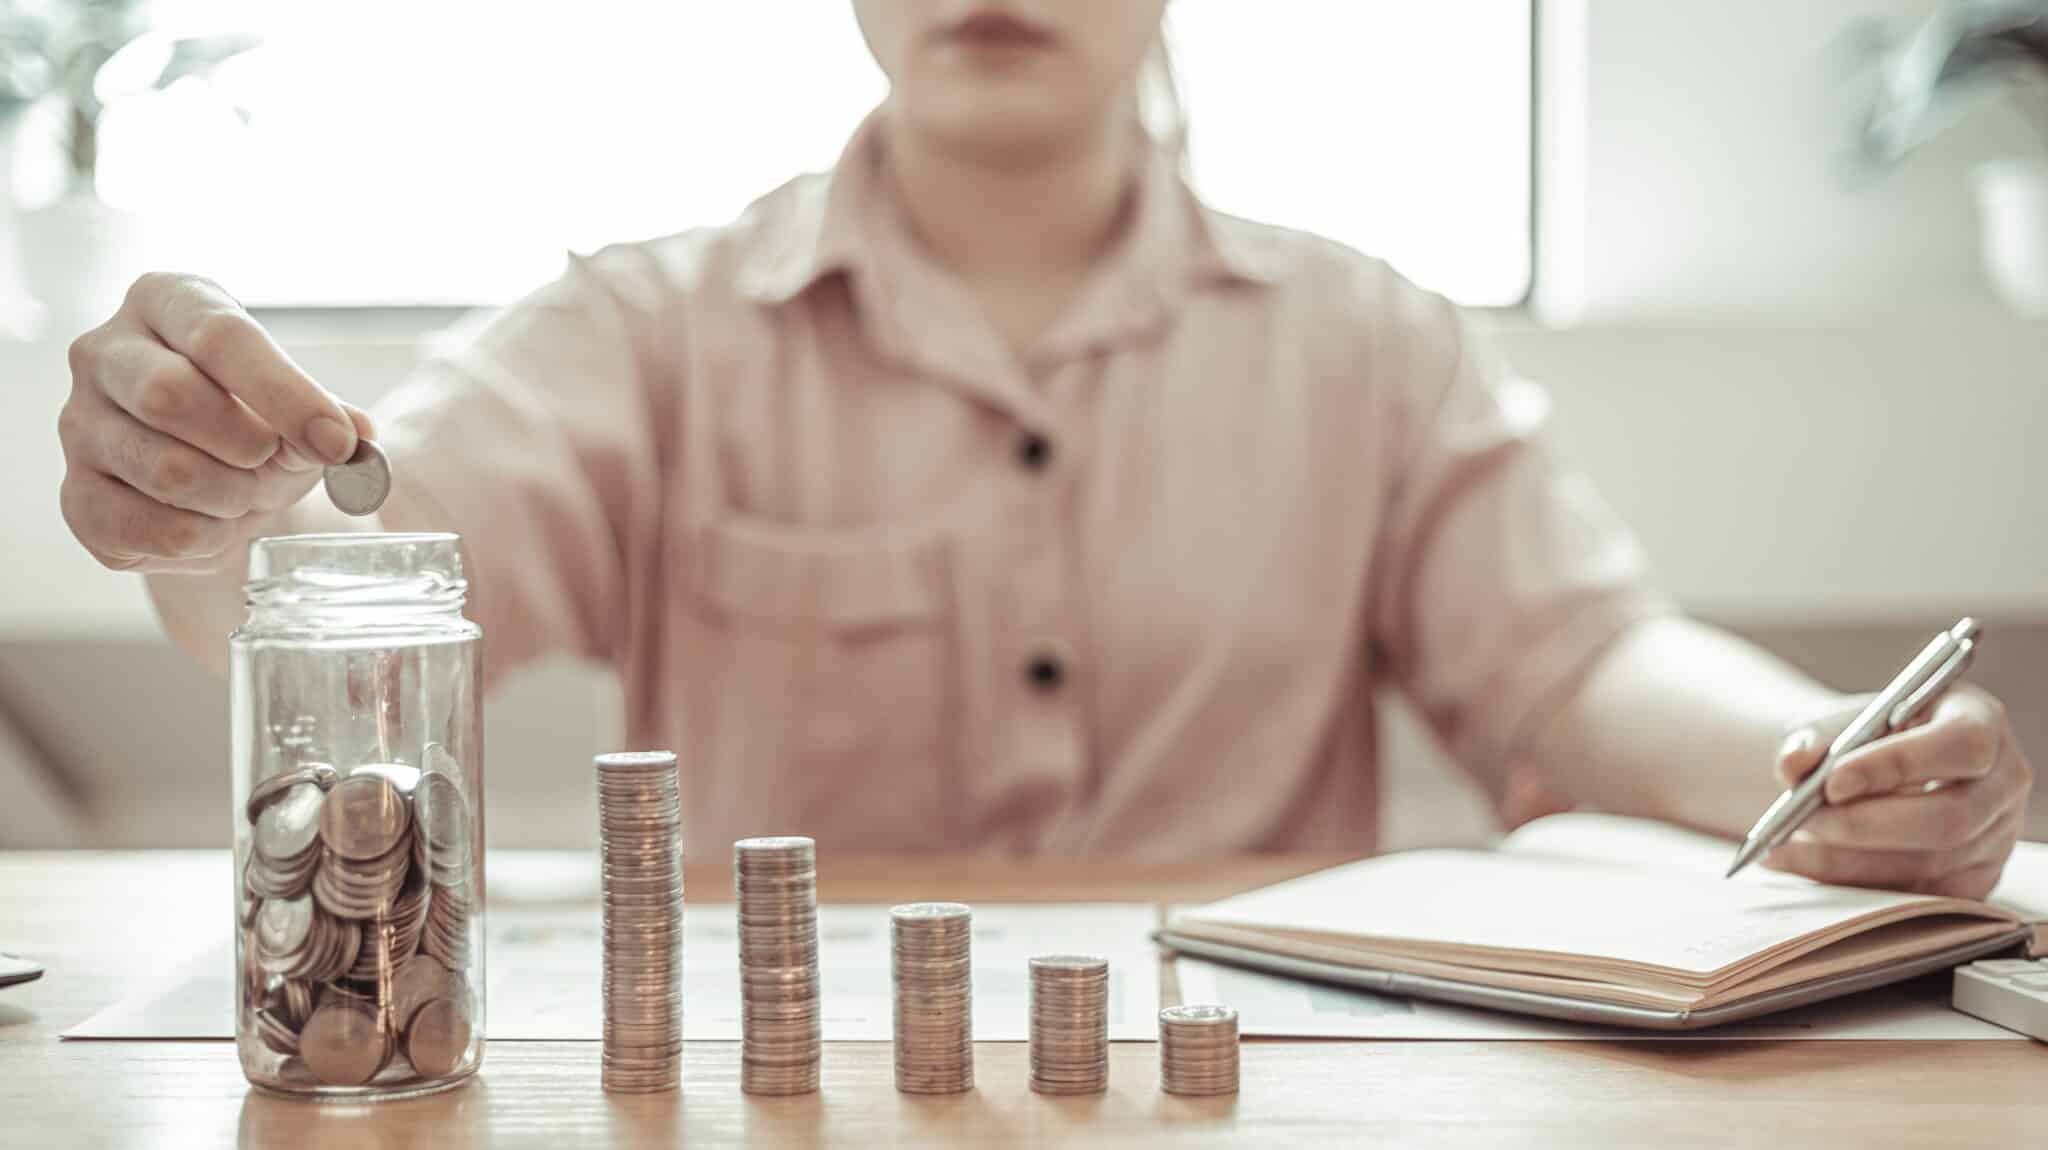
381, 152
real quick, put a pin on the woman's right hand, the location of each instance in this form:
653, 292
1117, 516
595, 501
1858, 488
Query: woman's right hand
187, 426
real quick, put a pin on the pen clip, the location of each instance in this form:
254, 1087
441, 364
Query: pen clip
1941, 680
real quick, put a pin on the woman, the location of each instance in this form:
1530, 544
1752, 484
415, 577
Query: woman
992, 493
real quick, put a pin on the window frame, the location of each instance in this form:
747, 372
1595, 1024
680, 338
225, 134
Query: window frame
391, 324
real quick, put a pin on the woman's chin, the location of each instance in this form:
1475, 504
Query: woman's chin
996, 129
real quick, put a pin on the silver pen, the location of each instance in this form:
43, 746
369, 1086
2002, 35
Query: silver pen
1933, 671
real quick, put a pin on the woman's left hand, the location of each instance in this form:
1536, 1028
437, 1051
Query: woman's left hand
1935, 808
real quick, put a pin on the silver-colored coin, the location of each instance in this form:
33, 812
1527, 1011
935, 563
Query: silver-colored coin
289, 825
283, 925
931, 965
443, 815
401, 775
1198, 1050
268, 791
1069, 1031
274, 1031
1206, 1015
299, 1000
359, 486
639, 835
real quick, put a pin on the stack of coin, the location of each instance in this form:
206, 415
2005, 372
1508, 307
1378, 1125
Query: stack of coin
776, 883
284, 831
1069, 1024
443, 851
341, 893
932, 961
366, 824
1198, 1050
639, 812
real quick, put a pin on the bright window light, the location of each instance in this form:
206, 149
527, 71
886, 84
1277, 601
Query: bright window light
392, 153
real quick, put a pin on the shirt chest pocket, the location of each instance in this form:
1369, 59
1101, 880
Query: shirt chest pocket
822, 671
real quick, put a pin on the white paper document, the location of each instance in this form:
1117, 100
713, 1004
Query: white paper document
543, 966
1270, 1006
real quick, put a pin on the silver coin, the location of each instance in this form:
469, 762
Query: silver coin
406, 778
288, 825
268, 790
283, 925
639, 836
444, 815
274, 1031
1069, 1031
1198, 1014
359, 486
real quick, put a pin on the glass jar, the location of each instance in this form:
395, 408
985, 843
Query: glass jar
358, 812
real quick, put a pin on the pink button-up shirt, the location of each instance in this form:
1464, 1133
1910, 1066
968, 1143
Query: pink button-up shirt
878, 579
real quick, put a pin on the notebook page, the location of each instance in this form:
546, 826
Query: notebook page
1620, 841
1464, 903
2024, 886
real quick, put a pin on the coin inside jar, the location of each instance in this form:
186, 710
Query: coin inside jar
271, 789
343, 1043
286, 827
364, 817
399, 775
359, 486
283, 924
438, 1037
419, 981
445, 817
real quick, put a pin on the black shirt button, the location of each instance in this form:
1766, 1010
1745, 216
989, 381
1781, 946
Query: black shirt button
1034, 451
1046, 672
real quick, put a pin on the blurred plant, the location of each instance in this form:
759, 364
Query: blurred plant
1919, 84
90, 53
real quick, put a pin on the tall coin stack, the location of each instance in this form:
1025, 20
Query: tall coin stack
776, 884
932, 960
1198, 1050
639, 813
1069, 1024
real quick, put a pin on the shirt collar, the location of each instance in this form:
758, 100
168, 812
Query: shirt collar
818, 226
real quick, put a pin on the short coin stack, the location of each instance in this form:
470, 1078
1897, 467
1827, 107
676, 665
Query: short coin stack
776, 884
355, 924
1198, 1050
1069, 1024
932, 961
639, 813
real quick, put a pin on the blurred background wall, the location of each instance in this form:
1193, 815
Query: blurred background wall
1803, 394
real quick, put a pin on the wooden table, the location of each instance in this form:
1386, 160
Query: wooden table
106, 923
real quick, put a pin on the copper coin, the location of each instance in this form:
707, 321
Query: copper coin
438, 1037
364, 817
343, 1044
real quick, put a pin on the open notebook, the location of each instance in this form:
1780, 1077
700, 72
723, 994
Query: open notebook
1601, 918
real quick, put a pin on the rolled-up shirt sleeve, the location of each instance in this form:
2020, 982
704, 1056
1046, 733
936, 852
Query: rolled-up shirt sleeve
1502, 574
535, 441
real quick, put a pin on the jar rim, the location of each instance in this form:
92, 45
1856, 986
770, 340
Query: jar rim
356, 569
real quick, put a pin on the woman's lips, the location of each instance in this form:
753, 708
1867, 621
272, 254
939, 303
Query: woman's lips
999, 31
